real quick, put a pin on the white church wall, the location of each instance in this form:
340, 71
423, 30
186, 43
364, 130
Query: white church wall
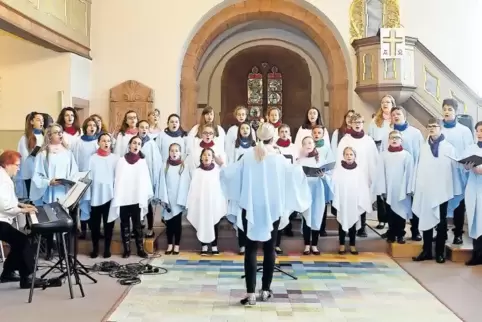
147, 40
31, 79
80, 76
450, 30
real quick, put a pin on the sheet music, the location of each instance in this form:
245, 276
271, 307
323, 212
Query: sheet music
79, 176
33, 218
73, 195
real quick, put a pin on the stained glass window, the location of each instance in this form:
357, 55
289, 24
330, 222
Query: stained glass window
265, 90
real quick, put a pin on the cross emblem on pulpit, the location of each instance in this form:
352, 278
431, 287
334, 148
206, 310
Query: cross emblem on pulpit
392, 44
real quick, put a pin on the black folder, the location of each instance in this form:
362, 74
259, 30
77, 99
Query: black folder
312, 172
475, 159
35, 151
289, 157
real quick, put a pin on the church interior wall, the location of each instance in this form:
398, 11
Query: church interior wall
80, 77
32, 78
451, 32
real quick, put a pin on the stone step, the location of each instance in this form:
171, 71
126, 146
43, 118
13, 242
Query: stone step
227, 241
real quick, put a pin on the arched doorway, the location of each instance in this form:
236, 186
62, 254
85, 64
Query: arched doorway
290, 68
283, 10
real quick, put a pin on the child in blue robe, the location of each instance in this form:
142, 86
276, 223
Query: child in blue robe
434, 188
28, 147
172, 191
132, 195
312, 119
395, 185
54, 161
240, 113
318, 133
244, 142
154, 126
154, 163
473, 198
208, 140
83, 149
351, 197
208, 116
173, 133
206, 203
69, 121
461, 138
378, 130
102, 166
313, 216
127, 131
412, 141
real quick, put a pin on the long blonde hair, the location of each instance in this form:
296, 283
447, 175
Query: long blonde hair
48, 139
181, 168
379, 115
265, 134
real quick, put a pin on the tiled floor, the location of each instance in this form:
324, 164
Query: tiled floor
369, 287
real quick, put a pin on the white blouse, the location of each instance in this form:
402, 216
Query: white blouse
8, 200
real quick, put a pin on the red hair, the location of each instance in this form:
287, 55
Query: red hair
9, 157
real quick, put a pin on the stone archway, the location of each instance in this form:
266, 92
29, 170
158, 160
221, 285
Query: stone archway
280, 10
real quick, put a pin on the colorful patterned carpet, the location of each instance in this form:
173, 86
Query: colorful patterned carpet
368, 287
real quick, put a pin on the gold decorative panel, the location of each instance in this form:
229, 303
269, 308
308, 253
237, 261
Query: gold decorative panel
358, 17
69, 18
130, 95
431, 84
390, 69
367, 67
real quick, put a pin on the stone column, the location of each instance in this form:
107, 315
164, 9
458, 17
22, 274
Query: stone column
338, 103
189, 93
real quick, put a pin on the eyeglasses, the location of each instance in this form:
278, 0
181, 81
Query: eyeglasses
432, 126
208, 133
358, 122
57, 132
395, 138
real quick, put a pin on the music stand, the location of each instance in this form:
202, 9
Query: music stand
71, 202
277, 268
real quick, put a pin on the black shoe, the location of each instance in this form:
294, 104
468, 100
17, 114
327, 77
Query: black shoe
175, 253
26, 283
82, 235
390, 240
278, 251
416, 237
11, 277
140, 243
362, 233
380, 226
342, 250
168, 252
248, 301
265, 295
141, 253
401, 240
94, 254
423, 256
474, 261
384, 235
440, 259
353, 250
323, 233
107, 254
306, 252
458, 240
126, 241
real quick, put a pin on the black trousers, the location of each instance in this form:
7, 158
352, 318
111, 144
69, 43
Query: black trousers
310, 236
396, 224
382, 210
323, 222
214, 243
173, 229
150, 218
441, 234
128, 214
477, 248
28, 182
21, 256
100, 214
242, 238
351, 235
414, 225
251, 263
459, 219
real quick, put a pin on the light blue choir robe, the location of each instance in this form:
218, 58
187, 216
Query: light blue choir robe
121, 146
172, 189
473, 196
267, 190
154, 161
303, 133
395, 181
334, 141
230, 143
83, 150
164, 141
59, 165
313, 216
378, 134
434, 183
461, 138
27, 165
102, 174
327, 156
412, 140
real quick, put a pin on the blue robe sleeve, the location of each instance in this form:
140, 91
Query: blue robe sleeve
298, 194
40, 179
160, 193
231, 179
380, 186
183, 189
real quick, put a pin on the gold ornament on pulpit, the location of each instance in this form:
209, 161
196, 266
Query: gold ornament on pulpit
358, 17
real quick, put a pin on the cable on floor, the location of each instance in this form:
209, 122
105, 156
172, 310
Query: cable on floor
127, 274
